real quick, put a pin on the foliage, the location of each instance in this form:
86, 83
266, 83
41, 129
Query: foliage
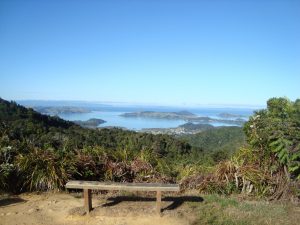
220, 143
276, 132
270, 165
8, 171
44, 169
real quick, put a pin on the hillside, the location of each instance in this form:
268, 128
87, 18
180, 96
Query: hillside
29, 124
219, 139
31, 141
12, 114
36, 143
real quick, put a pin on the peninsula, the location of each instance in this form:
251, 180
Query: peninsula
55, 110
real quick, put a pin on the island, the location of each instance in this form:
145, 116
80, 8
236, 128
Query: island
183, 115
91, 123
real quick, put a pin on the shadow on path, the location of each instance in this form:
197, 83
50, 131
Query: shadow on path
11, 200
176, 201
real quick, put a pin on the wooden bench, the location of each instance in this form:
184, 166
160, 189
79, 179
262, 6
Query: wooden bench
87, 186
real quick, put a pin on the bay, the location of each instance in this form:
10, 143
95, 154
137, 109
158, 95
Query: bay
113, 119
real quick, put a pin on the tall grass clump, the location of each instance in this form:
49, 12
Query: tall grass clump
44, 169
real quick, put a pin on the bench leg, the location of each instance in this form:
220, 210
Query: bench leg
158, 202
87, 200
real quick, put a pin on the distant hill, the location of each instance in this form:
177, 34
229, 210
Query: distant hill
56, 110
184, 113
61, 103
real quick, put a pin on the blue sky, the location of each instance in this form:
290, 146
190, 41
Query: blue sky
154, 51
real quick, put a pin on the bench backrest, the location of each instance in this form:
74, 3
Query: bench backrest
96, 185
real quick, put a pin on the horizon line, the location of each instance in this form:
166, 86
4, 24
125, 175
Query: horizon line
121, 103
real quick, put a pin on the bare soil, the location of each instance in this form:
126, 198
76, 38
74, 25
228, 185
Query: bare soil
109, 209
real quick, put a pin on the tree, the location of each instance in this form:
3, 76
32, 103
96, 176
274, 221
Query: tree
275, 131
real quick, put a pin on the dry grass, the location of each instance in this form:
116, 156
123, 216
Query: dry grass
232, 210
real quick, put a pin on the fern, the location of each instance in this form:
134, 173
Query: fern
281, 149
294, 167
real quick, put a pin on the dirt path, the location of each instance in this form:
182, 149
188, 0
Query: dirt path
62, 208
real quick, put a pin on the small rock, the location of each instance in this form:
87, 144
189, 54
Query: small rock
30, 210
33, 210
78, 211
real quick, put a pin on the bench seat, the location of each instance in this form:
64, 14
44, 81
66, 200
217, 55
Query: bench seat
87, 186
96, 185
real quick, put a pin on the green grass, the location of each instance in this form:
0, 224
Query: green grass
218, 210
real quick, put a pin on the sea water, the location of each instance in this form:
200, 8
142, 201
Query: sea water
112, 116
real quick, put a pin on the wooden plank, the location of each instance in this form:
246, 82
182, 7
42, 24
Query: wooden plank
87, 200
96, 185
158, 202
